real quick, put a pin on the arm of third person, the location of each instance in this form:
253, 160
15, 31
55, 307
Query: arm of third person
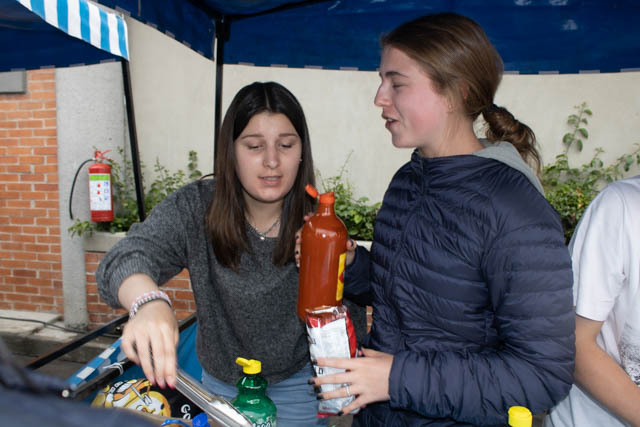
601, 376
153, 330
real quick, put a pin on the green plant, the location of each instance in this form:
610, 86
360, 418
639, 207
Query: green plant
357, 214
570, 189
125, 204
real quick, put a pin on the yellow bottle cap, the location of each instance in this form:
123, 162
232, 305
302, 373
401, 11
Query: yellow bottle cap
519, 416
249, 366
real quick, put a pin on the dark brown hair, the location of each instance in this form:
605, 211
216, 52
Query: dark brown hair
225, 220
462, 63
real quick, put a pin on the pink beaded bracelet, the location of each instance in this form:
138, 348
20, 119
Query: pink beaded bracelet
145, 298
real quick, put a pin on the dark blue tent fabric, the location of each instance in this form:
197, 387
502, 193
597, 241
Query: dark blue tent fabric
28, 42
533, 36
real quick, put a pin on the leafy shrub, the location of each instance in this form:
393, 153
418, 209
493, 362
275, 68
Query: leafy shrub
569, 189
358, 215
125, 204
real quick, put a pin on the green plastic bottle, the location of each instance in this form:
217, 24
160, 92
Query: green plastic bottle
252, 399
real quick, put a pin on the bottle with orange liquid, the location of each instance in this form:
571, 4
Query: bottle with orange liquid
323, 253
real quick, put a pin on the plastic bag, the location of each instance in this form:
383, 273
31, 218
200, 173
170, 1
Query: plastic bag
331, 334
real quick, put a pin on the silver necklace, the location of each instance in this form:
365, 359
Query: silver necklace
263, 235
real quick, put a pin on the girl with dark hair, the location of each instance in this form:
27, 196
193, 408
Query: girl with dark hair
468, 273
235, 234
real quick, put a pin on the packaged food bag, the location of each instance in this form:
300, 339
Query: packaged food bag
331, 334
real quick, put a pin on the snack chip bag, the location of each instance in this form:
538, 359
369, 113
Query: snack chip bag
331, 334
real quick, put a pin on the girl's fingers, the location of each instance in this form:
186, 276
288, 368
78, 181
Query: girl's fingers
144, 355
342, 363
127, 345
297, 249
343, 378
170, 361
370, 353
163, 355
351, 407
158, 361
340, 392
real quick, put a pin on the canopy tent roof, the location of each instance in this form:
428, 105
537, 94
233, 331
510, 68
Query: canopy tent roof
43, 33
533, 36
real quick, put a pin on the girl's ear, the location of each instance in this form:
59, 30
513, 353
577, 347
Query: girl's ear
450, 97
457, 96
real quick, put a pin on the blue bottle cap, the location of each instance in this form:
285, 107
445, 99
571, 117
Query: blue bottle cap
200, 420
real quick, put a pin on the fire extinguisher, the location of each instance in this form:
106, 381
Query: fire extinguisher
100, 191
100, 188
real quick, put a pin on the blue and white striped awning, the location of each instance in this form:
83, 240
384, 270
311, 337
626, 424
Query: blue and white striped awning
59, 33
84, 20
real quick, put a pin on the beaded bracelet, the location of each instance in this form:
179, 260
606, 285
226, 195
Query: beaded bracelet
145, 298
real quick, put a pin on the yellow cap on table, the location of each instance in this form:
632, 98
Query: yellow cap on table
250, 366
519, 416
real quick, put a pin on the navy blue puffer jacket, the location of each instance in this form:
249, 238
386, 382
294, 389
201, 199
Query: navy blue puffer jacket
471, 285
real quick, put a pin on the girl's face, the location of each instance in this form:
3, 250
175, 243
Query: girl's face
415, 114
267, 156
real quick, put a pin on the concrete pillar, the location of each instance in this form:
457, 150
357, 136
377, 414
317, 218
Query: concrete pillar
90, 115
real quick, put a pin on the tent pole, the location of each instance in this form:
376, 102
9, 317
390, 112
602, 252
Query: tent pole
222, 35
133, 138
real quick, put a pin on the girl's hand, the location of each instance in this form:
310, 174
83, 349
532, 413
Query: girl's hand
299, 239
150, 340
351, 250
368, 378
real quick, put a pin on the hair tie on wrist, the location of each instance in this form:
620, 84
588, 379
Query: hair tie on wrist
145, 298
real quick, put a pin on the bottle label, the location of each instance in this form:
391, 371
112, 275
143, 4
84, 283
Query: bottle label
269, 421
340, 288
99, 192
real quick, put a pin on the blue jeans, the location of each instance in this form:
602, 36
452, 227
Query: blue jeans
296, 403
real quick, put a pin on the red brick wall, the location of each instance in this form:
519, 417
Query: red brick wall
30, 267
178, 289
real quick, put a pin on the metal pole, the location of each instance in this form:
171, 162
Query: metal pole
133, 139
222, 35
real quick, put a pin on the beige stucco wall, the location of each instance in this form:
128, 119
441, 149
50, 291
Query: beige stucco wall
174, 92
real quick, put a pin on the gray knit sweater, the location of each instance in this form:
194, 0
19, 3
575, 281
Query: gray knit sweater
250, 313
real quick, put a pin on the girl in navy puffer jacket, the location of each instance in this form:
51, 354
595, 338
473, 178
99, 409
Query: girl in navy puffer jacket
468, 275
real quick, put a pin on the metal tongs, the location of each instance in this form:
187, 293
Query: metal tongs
216, 407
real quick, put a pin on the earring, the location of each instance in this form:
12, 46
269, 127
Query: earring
300, 161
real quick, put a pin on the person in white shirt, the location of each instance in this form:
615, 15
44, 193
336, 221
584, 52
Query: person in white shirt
605, 250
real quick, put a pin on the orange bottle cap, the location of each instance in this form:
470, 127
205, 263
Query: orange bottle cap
327, 198
311, 190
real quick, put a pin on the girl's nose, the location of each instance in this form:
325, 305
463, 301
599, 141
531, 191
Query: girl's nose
381, 99
271, 157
